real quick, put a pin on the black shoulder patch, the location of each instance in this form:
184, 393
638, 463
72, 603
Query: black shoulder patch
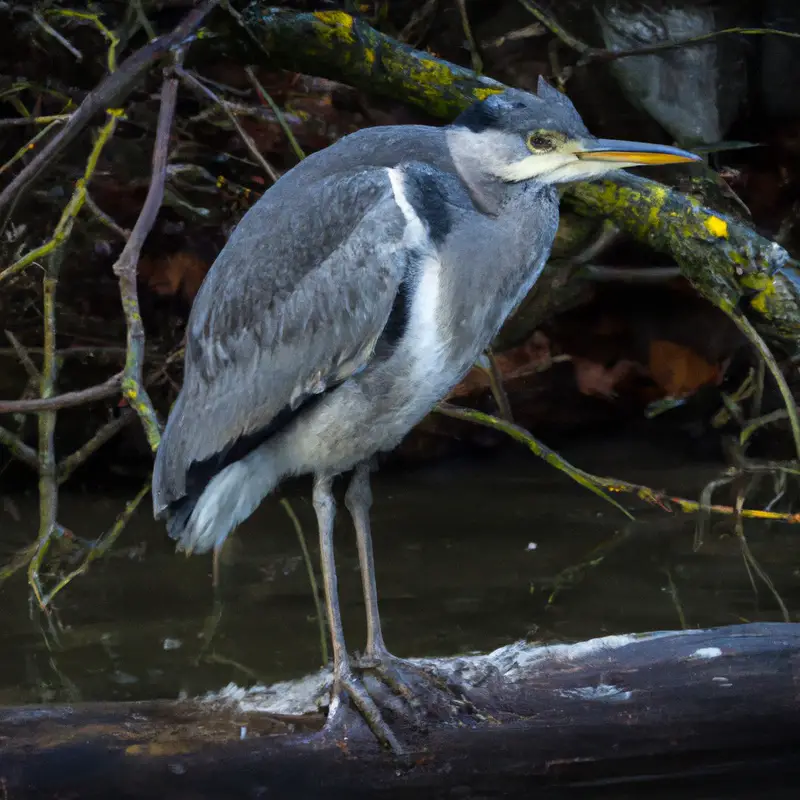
399, 316
426, 190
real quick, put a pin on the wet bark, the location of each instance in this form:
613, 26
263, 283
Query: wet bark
680, 710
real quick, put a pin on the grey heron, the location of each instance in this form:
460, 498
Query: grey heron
350, 298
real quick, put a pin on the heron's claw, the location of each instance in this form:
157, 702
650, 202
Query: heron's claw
424, 693
347, 685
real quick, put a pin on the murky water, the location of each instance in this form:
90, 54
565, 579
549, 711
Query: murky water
467, 555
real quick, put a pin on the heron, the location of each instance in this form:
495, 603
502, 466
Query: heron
350, 298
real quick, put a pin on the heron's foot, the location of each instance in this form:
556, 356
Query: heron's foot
348, 688
425, 694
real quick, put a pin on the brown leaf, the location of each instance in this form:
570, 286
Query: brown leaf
678, 370
179, 272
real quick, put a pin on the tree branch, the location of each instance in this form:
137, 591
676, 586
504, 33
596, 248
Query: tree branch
728, 262
67, 400
125, 268
112, 91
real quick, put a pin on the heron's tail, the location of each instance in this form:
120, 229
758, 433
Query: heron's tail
203, 522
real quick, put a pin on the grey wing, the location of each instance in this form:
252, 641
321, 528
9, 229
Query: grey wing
295, 302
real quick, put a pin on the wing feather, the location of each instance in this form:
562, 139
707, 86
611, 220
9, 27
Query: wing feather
294, 303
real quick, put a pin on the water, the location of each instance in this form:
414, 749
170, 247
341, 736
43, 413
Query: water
467, 555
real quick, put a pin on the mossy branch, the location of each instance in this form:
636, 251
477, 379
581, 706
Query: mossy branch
728, 262
601, 485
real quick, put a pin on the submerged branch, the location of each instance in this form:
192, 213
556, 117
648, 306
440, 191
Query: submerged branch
101, 547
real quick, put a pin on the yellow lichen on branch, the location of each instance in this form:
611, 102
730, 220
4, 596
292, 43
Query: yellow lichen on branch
338, 45
723, 258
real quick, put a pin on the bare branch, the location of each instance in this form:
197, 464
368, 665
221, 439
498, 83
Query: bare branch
18, 449
67, 400
104, 434
199, 87
113, 90
125, 268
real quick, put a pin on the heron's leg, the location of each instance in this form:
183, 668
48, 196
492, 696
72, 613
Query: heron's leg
359, 501
376, 656
344, 681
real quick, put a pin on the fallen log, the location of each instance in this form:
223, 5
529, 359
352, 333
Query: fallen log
676, 710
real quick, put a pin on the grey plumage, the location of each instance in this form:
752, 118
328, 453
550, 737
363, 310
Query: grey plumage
355, 294
299, 297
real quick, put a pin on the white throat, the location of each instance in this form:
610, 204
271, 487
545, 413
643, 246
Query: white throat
557, 168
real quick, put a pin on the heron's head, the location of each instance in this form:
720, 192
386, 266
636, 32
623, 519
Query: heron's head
517, 136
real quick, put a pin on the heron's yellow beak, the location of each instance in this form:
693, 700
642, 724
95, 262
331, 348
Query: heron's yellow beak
633, 152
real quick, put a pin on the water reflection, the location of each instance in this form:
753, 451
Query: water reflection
467, 556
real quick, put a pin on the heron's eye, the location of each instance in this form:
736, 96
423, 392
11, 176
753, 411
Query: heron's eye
540, 142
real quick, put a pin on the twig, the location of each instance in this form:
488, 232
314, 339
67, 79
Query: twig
279, 115
104, 219
18, 122
18, 449
104, 434
51, 31
312, 579
202, 89
755, 424
143, 20
497, 388
28, 146
613, 55
592, 54
112, 91
71, 352
676, 601
475, 56
113, 39
590, 482
66, 400
20, 560
597, 484
567, 38
751, 563
102, 546
48, 487
68, 215
753, 336
22, 355
125, 268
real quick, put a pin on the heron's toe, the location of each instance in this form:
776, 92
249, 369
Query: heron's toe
418, 695
348, 688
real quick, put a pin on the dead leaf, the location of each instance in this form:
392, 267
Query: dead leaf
678, 370
179, 272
